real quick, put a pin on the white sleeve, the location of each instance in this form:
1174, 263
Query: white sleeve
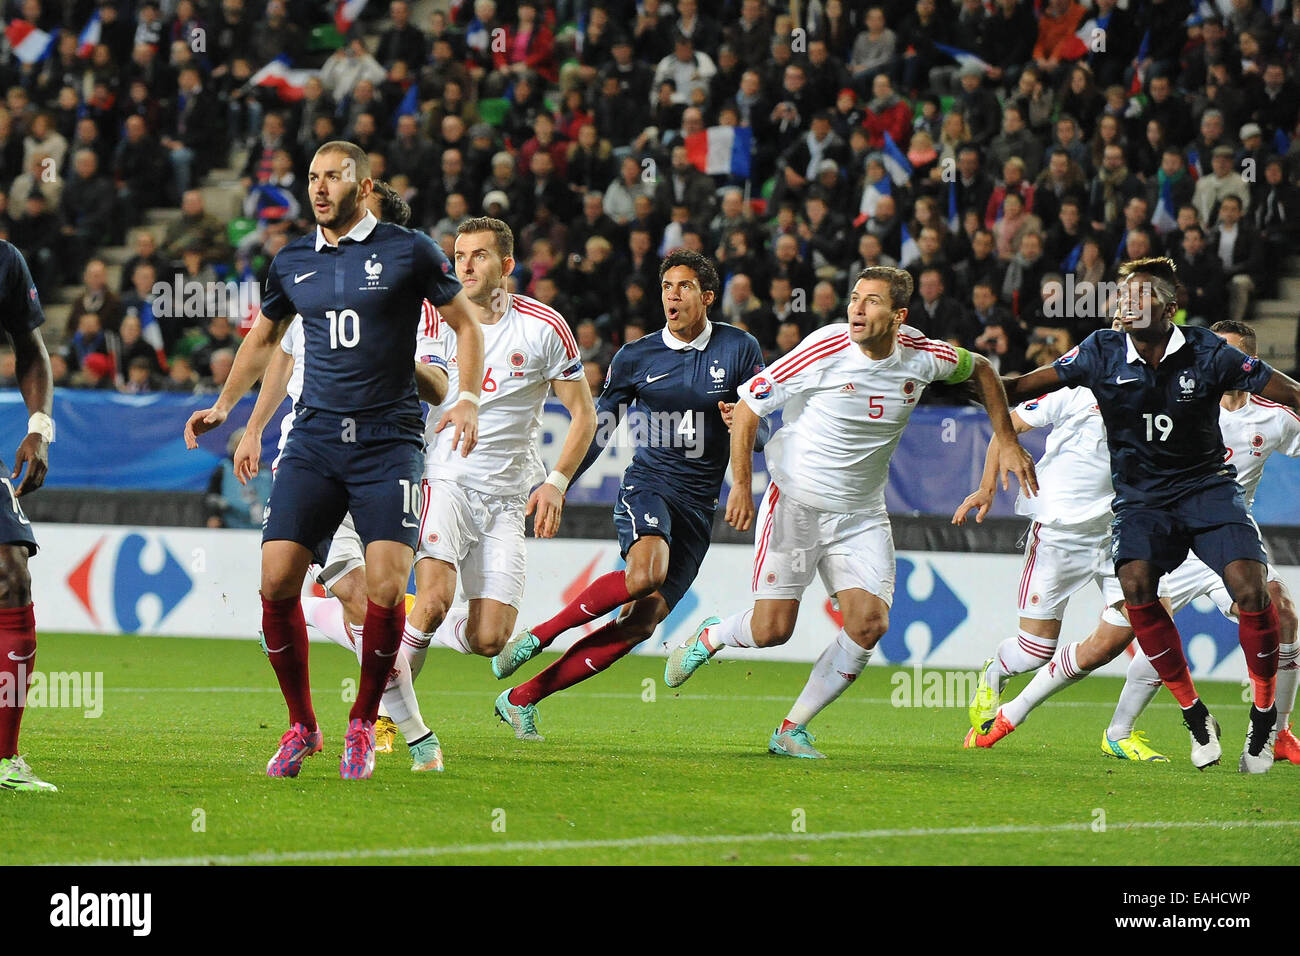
1289, 423
431, 340
290, 335
796, 372
1042, 411
560, 350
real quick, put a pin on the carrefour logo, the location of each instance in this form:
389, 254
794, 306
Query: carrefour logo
133, 586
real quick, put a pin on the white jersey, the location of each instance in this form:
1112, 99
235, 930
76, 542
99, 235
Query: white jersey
1074, 486
292, 342
1252, 433
523, 352
843, 414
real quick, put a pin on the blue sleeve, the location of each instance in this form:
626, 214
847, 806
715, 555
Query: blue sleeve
433, 271
20, 305
1081, 364
619, 393
275, 303
1237, 371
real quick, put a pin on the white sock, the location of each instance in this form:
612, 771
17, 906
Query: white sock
399, 700
837, 668
326, 615
1141, 683
1288, 676
1063, 671
733, 631
1019, 655
355, 645
451, 632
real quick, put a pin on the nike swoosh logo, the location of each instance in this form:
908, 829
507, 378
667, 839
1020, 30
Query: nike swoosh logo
15, 657
1123, 381
650, 381
1268, 654
306, 275
407, 524
592, 666
277, 650
382, 654
582, 607
1152, 657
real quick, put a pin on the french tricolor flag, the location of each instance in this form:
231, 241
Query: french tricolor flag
721, 150
910, 251
895, 160
29, 44
287, 82
89, 37
871, 194
346, 13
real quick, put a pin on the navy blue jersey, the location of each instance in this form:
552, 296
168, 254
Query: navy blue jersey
683, 446
1162, 426
20, 305
360, 304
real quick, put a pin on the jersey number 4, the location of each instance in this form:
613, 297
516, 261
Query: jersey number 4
345, 328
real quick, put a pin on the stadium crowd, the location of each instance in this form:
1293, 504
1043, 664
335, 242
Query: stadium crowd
1009, 155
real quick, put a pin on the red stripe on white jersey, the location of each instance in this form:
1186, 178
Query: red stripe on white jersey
767, 534
929, 345
1029, 567
830, 347
1267, 404
780, 366
424, 511
540, 310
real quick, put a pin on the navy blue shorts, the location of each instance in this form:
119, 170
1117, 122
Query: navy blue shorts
642, 511
321, 478
14, 526
1213, 523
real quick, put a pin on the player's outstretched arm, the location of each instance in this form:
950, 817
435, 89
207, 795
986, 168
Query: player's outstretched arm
469, 359
1282, 389
255, 352
431, 382
982, 497
740, 500
1040, 381
1012, 459
35, 381
548, 498
274, 390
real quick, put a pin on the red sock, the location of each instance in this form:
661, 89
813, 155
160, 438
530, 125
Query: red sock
601, 596
286, 643
17, 640
592, 654
380, 638
1161, 644
1259, 633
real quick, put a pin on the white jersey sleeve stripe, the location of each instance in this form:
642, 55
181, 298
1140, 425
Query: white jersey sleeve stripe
830, 347
929, 345
1267, 404
802, 351
552, 318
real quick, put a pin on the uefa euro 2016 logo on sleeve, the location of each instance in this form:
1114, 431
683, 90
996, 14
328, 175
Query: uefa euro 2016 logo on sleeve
761, 388
1069, 356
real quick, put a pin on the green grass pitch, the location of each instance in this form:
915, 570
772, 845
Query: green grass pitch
173, 771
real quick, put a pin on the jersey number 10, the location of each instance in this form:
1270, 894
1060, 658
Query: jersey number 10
345, 328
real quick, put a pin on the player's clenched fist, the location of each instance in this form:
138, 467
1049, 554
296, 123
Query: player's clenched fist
202, 421
463, 415
740, 508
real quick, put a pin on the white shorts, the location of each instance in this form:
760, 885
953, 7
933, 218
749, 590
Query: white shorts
1058, 562
793, 540
346, 554
1194, 578
482, 536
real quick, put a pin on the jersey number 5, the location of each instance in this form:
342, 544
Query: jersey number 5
1162, 423
345, 328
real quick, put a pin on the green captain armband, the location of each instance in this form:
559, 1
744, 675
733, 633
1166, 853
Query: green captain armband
965, 365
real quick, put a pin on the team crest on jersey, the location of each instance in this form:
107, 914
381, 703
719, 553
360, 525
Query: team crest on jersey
374, 268
761, 388
1034, 599
432, 537
516, 359
1186, 386
909, 387
1257, 441
771, 577
718, 376
1068, 357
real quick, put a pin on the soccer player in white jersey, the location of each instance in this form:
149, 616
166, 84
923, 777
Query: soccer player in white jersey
1068, 545
847, 392
1252, 428
472, 524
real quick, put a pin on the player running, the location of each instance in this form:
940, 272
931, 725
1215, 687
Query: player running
1253, 428
474, 508
848, 390
21, 315
357, 442
1158, 386
685, 381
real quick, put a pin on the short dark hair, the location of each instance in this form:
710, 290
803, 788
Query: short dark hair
505, 239
392, 207
1196, 229
705, 271
1233, 327
900, 283
1161, 269
360, 161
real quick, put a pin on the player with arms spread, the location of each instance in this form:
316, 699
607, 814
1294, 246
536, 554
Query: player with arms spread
1158, 386
21, 315
848, 391
684, 380
357, 440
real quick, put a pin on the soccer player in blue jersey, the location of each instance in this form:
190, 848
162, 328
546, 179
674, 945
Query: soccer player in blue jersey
21, 316
357, 444
1158, 386
684, 380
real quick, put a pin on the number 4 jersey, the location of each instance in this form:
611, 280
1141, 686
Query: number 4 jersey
844, 412
527, 349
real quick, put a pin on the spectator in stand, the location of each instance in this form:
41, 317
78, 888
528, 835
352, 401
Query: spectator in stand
88, 216
1275, 214
684, 185
89, 338
1016, 221
145, 247
196, 224
739, 304
620, 196
937, 314
873, 52
180, 376
887, 112
96, 373
194, 131
316, 101
140, 379
689, 69
1007, 40
595, 376
38, 235
1240, 250
1057, 46
1023, 276
162, 332
96, 297
1201, 272
221, 362
402, 40
591, 347
1224, 181
347, 66
132, 347
788, 337
826, 309
42, 177
221, 335
1015, 140
60, 374
1111, 188
1014, 181
231, 503
999, 337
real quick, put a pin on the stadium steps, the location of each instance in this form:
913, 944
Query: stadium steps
1275, 319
